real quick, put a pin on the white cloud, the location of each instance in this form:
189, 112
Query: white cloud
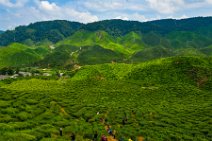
137, 17
84, 17
102, 6
209, 1
177, 17
122, 18
165, 6
9, 3
116, 5
183, 17
133, 17
51, 11
48, 6
43, 11
173, 6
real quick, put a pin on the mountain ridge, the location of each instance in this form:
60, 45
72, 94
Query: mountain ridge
62, 43
62, 28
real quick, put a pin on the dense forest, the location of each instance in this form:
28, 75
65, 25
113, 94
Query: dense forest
41, 31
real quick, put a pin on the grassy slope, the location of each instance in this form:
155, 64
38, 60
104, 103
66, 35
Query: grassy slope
137, 47
101, 38
67, 55
165, 99
98, 55
188, 39
152, 53
207, 50
20, 55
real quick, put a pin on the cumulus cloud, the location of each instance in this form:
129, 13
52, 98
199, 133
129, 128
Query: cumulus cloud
116, 5
209, 1
12, 4
122, 18
48, 6
102, 5
43, 11
50, 10
177, 17
133, 17
173, 6
165, 6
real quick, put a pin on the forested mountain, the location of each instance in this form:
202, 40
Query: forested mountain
52, 31
55, 31
120, 27
1, 31
63, 43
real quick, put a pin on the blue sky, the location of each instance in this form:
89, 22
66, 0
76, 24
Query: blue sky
23, 12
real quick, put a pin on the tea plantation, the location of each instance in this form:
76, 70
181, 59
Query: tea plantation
167, 99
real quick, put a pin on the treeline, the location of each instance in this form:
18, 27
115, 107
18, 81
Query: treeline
8, 71
120, 27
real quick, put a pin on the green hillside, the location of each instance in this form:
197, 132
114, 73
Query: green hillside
112, 71
58, 57
67, 56
207, 50
164, 99
152, 53
127, 44
17, 55
171, 70
98, 55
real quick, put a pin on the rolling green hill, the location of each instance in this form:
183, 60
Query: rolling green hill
66, 56
98, 55
164, 99
152, 53
170, 70
17, 55
127, 44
